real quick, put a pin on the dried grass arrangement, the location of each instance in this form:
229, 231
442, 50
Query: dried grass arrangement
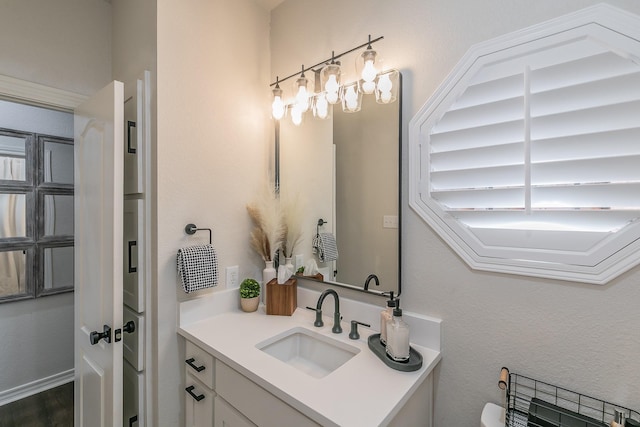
277, 223
268, 232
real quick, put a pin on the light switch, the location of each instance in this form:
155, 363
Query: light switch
390, 221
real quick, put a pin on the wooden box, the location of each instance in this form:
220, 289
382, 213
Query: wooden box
282, 300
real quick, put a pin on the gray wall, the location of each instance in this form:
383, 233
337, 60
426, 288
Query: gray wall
584, 337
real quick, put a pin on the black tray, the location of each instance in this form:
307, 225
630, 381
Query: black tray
413, 364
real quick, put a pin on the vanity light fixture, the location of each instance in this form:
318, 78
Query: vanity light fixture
332, 90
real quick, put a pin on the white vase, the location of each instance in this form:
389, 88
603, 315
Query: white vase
288, 265
269, 273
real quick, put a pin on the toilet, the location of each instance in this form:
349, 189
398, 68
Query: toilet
492, 416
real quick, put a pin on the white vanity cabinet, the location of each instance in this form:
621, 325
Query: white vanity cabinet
217, 395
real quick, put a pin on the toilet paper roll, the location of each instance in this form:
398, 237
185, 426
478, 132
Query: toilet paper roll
504, 378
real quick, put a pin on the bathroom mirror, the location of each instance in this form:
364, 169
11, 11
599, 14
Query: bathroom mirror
346, 171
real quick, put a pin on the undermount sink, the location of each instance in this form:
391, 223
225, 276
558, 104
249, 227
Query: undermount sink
312, 353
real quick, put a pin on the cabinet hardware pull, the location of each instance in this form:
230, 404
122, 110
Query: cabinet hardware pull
96, 336
131, 244
130, 125
197, 368
189, 390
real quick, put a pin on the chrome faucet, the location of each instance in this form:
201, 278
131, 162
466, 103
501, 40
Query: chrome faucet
371, 277
337, 329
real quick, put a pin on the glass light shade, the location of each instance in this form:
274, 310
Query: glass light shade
351, 98
277, 106
296, 114
367, 67
302, 93
321, 106
331, 82
387, 87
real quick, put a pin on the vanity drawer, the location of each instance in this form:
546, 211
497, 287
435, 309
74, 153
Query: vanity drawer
254, 402
133, 348
133, 290
198, 403
132, 396
200, 364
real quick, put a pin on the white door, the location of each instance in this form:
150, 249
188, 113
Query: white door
98, 258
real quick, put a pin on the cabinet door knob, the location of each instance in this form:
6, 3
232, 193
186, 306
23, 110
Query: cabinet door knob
193, 365
197, 397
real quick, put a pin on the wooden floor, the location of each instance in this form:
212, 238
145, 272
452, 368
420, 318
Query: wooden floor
51, 408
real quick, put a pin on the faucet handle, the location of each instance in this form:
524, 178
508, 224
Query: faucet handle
354, 335
318, 322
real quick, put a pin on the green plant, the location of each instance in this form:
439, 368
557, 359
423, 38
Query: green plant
249, 288
300, 270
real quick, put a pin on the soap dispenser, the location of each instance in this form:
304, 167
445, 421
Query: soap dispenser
385, 317
398, 336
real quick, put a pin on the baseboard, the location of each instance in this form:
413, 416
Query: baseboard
35, 387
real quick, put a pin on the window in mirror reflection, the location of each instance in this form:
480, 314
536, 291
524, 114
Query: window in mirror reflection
36, 201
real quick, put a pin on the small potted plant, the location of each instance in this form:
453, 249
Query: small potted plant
249, 295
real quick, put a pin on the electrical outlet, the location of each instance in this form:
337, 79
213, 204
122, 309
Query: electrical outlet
390, 221
232, 277
299, 261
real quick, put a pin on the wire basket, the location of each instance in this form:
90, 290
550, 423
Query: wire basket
534, 403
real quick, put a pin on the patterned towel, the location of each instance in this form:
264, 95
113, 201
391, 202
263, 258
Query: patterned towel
197, 267
324, 244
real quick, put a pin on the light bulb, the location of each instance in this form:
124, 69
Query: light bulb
385, 86
369, 71
277, 108
332, 88
321, 107
302, 98
351, 98
296, 115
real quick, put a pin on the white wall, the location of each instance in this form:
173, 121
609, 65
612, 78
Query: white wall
213, 146
66, 45
584, 337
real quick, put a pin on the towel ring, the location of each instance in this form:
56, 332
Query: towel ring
321, 222
191, 229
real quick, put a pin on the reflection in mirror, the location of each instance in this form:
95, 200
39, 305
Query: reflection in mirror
13, 218
12, 158
58, 215
58, 162
346, 170
12, 273
58, 268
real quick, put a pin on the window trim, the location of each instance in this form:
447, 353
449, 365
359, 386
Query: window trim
512, 260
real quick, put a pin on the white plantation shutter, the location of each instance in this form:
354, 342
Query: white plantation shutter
527, 160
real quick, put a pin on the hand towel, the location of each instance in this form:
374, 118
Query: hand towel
197, 267
324, 244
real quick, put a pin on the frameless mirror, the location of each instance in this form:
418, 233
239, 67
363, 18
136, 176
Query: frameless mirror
346, 170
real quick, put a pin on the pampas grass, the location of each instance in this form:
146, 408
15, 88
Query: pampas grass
268, 233
292, 217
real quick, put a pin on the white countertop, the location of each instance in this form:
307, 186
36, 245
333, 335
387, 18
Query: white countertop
362, 392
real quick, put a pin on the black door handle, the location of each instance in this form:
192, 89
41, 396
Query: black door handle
197, 397
96, 336
129, 327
